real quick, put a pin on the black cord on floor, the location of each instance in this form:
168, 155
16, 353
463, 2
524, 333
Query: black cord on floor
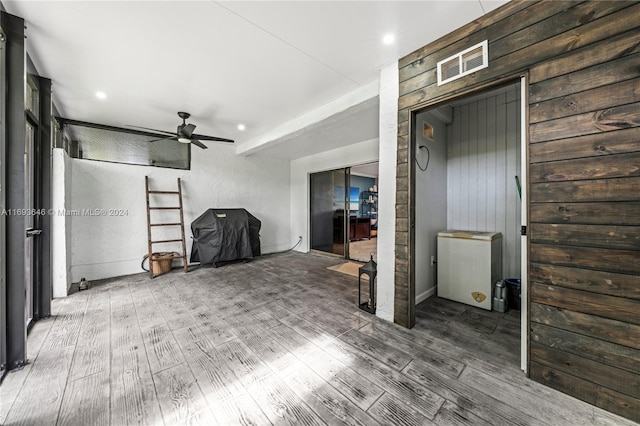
285, 251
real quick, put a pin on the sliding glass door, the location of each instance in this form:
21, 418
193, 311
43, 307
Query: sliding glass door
30, 232
3, 204
329, 214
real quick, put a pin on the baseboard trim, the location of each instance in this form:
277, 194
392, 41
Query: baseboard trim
424, 296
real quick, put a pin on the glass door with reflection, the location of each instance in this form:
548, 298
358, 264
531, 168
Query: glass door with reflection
329, 214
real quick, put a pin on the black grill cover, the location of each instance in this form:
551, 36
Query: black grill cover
223, 235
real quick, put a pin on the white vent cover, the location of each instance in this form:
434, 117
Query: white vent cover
469, 60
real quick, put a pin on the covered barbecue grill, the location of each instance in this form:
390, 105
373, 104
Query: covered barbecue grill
224, 235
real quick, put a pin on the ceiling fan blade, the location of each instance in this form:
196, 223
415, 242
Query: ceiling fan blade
211, 138
155, 130
163, 139
197, 143
187, 130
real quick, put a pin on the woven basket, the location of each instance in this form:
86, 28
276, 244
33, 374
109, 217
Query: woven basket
161, 262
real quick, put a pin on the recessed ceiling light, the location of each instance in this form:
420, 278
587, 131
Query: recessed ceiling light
388, 39
101, 95
241, 127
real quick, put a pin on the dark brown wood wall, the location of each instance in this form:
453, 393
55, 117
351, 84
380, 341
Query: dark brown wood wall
583, 65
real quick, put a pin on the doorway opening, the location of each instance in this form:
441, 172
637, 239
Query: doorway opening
469, 182
363, 241
344, 212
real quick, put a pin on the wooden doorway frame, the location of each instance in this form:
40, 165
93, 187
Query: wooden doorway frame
409, 302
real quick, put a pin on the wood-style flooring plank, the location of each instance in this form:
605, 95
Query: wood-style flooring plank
89, 360
42, 392
393, 411
328, 323
176, 315
281, 405
451, 414
65, 331
275, 340
215, 378
133, 395
179, 396
357, 387
312, 332
95, 330
488, 407
247, 367
162, 350
444, 363
10, 389
331, 405
292, 341
86, 401
566, 410
241, 410
38, 335
217, 331
267, 348
450, 349
387, 354
124, 325
149, 315
399, 385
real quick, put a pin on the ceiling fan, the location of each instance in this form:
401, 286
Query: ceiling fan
185, 134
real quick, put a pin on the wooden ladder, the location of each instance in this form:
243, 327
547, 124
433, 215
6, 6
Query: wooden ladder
150, 225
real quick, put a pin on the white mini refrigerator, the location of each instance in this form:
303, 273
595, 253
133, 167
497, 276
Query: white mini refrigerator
469, 263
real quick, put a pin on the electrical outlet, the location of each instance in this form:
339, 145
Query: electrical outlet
433, 260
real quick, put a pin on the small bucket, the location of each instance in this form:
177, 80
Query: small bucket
161, 262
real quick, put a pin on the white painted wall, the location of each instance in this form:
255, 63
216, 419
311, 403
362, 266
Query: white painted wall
60, 222
389, 91
111, 246
431, 202
483, 160
301, 168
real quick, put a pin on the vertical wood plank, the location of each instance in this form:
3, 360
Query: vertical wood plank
491, 182
482, 161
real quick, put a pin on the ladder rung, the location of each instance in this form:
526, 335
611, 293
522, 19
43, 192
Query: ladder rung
176, 256
165, 224
164, 192
166, 241
164, 208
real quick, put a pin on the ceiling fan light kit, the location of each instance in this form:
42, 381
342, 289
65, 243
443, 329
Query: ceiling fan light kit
184, 133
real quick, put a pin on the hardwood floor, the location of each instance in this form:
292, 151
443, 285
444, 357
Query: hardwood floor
278, 340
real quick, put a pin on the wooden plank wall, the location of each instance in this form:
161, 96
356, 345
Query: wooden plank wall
583, 65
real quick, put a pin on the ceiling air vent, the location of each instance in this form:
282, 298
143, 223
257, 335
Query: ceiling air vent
469, 60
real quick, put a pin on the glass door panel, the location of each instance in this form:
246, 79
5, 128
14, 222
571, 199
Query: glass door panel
328, 211
29, 199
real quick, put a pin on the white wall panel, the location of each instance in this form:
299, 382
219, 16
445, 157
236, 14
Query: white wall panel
108, 246
431, 202
483, 160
